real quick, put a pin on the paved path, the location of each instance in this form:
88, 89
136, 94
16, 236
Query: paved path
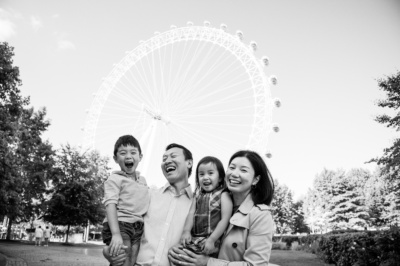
27, 254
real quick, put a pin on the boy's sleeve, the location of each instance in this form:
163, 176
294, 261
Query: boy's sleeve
111, 190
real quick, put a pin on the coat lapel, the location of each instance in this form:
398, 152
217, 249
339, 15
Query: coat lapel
240, 218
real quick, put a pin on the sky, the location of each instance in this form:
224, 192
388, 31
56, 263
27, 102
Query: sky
327, 56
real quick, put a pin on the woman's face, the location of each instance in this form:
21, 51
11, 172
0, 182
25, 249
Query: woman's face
240, 176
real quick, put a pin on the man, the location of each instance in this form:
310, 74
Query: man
169, 206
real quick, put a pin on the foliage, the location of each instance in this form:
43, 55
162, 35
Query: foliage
390, 160
282, 205
337, 201
25, 158
77, 189
299, 224
366, 248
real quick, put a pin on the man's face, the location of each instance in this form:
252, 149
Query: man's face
174, 165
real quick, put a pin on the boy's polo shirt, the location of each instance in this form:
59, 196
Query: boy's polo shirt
163, 224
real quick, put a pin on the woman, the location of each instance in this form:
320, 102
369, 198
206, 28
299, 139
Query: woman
248, 239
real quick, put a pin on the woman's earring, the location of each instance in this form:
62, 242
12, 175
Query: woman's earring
253, 186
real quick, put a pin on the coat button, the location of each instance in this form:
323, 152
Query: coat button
234, 245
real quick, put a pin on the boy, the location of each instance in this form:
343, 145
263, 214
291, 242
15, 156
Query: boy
126, 198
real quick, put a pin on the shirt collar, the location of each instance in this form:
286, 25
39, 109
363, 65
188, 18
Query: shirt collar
187, 190
246, 205
127, 175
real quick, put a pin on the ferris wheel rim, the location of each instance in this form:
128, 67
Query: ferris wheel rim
263, 104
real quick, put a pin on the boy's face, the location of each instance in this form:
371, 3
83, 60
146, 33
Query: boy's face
128, 158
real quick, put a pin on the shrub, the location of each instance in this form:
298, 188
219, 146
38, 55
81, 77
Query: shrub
362, 248
279, 246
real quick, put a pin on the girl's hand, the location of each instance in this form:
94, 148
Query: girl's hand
186, 238
209, 247
178, 256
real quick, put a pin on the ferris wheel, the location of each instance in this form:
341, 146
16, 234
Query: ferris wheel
198, 86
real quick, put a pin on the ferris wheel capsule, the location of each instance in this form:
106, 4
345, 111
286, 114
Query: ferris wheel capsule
189, 24
265, 60
82, 129
275, 128
253, 46
268, 154
239, 34
273, 80
277, 102
224, 27
207, 23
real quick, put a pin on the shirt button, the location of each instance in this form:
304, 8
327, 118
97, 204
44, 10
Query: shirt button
234, 245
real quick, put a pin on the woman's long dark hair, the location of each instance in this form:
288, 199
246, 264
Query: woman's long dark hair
263, 191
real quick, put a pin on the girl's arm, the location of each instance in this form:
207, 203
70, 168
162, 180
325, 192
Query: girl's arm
226, 213
186, 236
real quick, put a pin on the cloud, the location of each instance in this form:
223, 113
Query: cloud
55, 16
7, 27
36, 23
65, 45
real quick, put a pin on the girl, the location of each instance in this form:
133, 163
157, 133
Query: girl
210, 211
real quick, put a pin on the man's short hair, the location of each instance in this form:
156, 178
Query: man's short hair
186, 153
125, 141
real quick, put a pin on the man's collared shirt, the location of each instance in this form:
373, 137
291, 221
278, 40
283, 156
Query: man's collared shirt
163, 224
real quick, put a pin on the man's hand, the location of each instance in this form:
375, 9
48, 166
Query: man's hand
117, 260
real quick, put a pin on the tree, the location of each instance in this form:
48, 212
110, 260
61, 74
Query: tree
282, 206
390, 160
299, 223
21, 146
77, 189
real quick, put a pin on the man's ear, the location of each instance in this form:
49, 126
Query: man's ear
190, 163
115, 158
140, 157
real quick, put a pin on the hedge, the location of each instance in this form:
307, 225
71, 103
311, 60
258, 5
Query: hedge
362, 248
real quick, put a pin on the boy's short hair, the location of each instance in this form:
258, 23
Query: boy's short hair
125, 141
186, 153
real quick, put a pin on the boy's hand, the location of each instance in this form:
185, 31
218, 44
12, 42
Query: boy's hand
116, 245
209, 246
186, 238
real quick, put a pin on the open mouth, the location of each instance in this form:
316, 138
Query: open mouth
232, 181
170, 168
207, 183
129, 164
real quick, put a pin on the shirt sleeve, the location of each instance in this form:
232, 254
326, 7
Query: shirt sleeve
258, 243
112, 188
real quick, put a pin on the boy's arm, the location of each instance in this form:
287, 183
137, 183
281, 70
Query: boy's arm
186, 236
116, 240
226, 213
111, 196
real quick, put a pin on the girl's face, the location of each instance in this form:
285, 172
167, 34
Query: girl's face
240, 176
208, 177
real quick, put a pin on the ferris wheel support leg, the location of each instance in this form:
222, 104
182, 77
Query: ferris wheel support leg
148, 142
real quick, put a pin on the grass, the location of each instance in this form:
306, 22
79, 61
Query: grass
295, 258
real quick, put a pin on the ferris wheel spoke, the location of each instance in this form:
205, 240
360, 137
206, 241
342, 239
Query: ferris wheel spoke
227, 99
205, 137
199, 80
192, 101
197, 53
221, 63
